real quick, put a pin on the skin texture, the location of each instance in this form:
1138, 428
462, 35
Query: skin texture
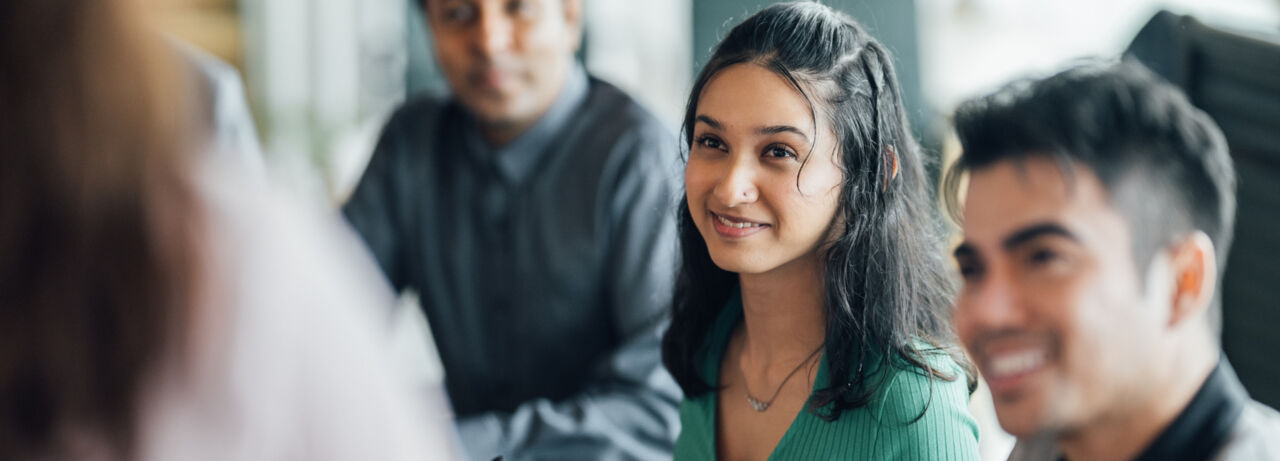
505, 60
1073, 338
746, 155
754, 132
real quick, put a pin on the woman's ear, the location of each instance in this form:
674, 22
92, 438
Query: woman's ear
1195, 272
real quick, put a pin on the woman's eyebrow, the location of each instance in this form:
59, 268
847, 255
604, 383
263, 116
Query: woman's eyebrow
764, 130
775, 129
710, 121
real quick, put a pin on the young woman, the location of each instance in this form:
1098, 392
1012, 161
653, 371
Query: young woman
810, 314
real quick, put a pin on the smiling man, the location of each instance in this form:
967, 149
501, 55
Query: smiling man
532, 211
1098, 213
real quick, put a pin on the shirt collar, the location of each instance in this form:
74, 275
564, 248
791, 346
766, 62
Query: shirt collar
516, 160
1203, 426
1199, 431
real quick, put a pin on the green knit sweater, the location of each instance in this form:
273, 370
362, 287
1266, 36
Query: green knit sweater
881, 430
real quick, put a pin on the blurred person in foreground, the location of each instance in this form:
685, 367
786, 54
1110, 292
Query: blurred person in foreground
530, 210
1096, 223
155, 305
220, 110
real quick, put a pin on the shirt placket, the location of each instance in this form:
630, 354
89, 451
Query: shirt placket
497, 272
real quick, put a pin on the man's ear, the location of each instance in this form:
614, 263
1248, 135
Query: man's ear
573, 19
1195, 272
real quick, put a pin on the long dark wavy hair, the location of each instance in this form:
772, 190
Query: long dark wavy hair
888, 288
97, 225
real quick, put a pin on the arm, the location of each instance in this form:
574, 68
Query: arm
291, 362
944, 431
371, 209
629, 410
222, 113
358, 404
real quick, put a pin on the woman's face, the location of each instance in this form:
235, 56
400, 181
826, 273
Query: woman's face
754, 205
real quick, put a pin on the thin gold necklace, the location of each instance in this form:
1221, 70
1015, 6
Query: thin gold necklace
761, 406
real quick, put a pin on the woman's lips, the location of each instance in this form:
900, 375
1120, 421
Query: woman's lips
735, 227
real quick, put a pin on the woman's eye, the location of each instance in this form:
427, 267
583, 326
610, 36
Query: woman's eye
779, 152
710, 143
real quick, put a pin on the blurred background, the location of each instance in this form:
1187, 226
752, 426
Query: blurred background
322, 76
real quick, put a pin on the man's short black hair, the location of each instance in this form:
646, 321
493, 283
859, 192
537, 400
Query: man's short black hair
1164, 163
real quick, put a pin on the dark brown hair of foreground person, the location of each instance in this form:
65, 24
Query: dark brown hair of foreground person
97, 246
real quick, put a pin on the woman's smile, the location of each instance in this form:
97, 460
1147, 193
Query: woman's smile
733, 227
762, 178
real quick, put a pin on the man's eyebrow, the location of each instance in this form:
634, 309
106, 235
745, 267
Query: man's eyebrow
775, 129
1036, 231
710, 121
965, 250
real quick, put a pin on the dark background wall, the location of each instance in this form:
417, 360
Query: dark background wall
892, 22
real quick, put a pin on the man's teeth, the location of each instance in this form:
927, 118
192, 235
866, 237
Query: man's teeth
1016, 363
737, 225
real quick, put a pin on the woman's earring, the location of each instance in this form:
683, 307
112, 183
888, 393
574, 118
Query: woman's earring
893, 156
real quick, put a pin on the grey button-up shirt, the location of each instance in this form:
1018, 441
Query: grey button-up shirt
544, 268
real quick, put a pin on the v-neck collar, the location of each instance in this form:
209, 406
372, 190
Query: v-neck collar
718, 341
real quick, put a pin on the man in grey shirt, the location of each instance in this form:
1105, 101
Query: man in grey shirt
1098, 214
533, 213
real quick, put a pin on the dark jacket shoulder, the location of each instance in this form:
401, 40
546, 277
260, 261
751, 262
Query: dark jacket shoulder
603, 98
630, 134
419, 116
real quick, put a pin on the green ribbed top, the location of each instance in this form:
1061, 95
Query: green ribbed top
880, 430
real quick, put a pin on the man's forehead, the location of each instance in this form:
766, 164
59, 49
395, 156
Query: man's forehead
1004, 197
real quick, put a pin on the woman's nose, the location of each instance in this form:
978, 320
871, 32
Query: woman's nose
737, 186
